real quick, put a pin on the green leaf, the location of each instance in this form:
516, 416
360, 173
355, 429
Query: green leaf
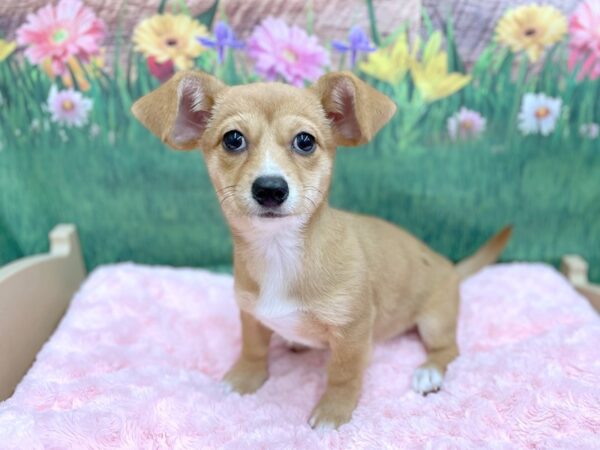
310, 17
427, 21
161, 6
183, 8
455, 63
373, 23
207, 17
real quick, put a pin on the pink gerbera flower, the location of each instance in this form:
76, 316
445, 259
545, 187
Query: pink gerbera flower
59, 32
289, 52
584, 27
68, 107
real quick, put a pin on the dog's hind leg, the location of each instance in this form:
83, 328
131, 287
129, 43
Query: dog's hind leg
437, 327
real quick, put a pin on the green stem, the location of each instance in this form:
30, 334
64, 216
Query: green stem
161, 6
373, 22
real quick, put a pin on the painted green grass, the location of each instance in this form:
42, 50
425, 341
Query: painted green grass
133, 199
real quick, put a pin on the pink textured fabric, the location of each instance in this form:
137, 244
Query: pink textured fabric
136, 362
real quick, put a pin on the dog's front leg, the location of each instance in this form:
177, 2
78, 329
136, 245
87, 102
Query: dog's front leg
251, 369
350, 353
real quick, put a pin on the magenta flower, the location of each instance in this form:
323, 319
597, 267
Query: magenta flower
358, 41
60, 32
224, 37
584, 47
68, 107
288, 52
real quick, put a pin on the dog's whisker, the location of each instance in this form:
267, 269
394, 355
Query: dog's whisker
232, 187
313, 200
226, 197
314, 189
310, 200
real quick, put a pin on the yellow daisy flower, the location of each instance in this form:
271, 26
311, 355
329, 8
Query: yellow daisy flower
170, 37
531, 28
391, 63
6, 48
431, 75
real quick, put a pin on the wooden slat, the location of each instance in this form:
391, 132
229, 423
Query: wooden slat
34, 294
575, 268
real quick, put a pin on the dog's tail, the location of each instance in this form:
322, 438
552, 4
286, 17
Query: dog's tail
487, 254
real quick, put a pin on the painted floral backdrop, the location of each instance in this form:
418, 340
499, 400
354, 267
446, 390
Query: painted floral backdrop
513, 137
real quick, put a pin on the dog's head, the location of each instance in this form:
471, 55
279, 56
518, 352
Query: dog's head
269, 147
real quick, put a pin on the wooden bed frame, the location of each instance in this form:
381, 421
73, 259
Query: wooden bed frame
35, 292
575, 268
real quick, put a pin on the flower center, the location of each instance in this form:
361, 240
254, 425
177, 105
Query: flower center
68, 105
530, 32
542, 112
60, 35
467, 125
171, 42
290, 56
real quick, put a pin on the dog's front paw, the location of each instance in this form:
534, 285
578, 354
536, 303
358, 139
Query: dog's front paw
245, 378
427, 379
330, 414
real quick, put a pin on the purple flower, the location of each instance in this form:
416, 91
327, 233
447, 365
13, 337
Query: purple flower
288, 52
358, 41
224, 37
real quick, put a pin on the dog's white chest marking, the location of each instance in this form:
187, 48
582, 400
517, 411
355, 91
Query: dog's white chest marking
279, 251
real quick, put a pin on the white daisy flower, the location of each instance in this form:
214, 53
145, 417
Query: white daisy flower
589, 130
68, 107
465, 124
539, 114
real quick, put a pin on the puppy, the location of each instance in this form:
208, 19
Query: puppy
317, 276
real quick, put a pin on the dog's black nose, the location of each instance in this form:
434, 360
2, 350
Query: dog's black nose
270, 191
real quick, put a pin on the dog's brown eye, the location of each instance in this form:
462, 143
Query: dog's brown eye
304, 143
234, 141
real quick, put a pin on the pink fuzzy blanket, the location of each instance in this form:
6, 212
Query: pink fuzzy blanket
136, 363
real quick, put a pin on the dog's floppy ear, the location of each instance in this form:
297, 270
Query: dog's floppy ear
178, 111
356, 110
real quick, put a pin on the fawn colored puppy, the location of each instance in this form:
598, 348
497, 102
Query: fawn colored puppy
317, 276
